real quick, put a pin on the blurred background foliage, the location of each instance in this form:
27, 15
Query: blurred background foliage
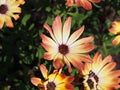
20, 50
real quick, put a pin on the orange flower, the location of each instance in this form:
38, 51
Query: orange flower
82, 3
54, 81
63, 48
8, 9
115, 30
100, 75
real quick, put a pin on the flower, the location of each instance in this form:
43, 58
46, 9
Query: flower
86, 4
8, 9
115, 30
54, 81
63, 48
100, 75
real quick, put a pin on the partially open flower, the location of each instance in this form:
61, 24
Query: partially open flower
63, 48
8, 9
53, 81
100, 75
115, 30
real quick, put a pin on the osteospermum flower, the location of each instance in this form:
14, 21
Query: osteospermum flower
100, 75
115, 30
86, 4
53, 81
8, 9
63, 48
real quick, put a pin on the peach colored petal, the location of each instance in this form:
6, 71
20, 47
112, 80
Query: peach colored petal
36, 81
107, 60
75, 60
66, 60
97, 58
1, 21
9, 22
47, 40
49, 48
75, 35
21, 2
107, 68
16, 10
49, 55
58, 63
116, 40
82, 48
112, 30
16, 17
82, 41
95, 1
47, 27
115, 73
66, 86
70, 2
68, 79
84, 3
44, 71
57, 29
66, 29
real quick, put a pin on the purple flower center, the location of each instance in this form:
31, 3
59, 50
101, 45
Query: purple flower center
90, 82
3, 9
51, 86
63, 49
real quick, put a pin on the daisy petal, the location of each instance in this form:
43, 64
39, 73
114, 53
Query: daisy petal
116, 41
70, 2
57, 29
84, 3
49, 48
44, 71
75, 35
49, 55
82, 41
66, 60
47, 40
58, 61
82, 48
36, 81
1, 21
47, 27
95, 1
9, 22
75, 61
66, 29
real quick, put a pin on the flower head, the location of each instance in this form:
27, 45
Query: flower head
54, 81
100, 75
115, 30
8, 9
63, 48
86, 4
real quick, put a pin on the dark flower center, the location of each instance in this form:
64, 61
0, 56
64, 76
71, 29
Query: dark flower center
90, 82
51, 86
63, 49
3, 9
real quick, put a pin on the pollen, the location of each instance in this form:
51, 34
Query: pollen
3, 9
63, 49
